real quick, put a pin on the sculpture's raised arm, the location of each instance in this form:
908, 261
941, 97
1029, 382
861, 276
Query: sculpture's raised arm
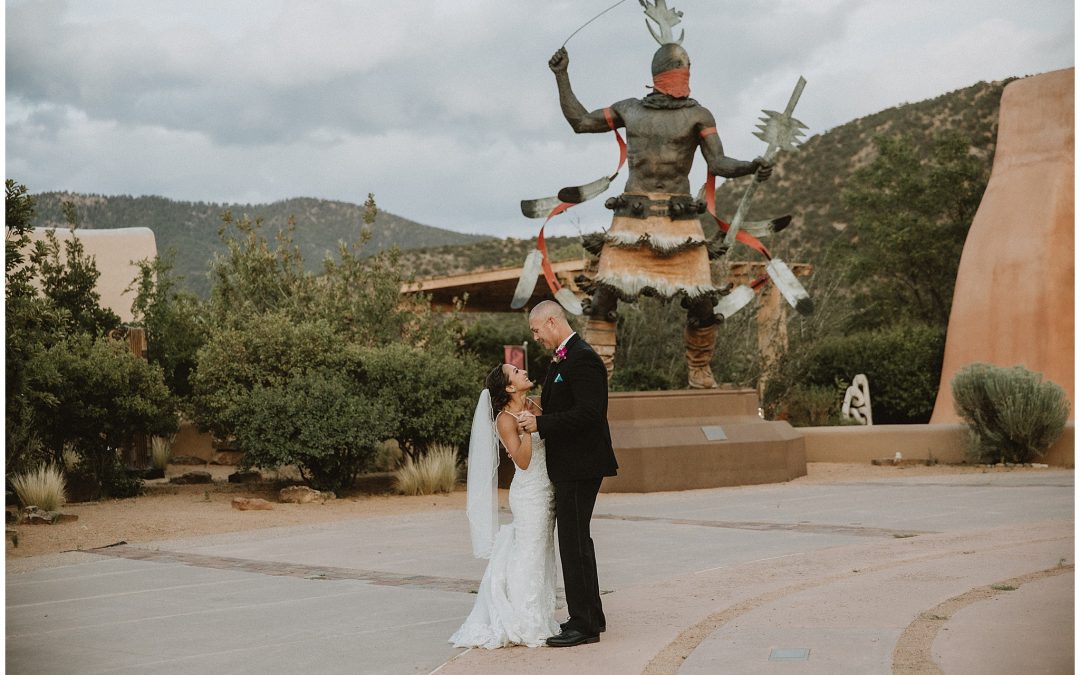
581, 120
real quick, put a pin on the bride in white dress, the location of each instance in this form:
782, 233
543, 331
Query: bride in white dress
516, 600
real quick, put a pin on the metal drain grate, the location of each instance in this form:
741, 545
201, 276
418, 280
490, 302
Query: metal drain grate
789, 655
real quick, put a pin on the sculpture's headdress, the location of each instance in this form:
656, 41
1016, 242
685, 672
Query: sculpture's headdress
670, 63
665, 19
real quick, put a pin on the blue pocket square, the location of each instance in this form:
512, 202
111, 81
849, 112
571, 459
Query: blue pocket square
558, 377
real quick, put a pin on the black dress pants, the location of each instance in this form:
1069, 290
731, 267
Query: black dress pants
574, 501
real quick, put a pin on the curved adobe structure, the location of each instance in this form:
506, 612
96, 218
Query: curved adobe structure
1013, 303
115, 252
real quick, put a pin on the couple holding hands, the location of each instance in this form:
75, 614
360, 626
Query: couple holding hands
561, 449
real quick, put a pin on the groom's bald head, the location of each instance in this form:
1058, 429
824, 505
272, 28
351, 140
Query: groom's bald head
547, 308
548, 324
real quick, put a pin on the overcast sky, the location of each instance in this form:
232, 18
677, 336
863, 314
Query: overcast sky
445, 109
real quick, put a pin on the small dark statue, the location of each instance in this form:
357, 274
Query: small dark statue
655, 245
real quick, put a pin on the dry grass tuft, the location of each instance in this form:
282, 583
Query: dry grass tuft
436, 471
44, 487
160, 451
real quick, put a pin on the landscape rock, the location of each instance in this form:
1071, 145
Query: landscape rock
251, 476
251, 504
32, 515
302, 494
192, 478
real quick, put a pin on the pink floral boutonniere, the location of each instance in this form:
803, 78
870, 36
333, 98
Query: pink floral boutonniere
560, 354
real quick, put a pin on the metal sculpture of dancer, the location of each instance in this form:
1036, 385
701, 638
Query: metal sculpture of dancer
655, 245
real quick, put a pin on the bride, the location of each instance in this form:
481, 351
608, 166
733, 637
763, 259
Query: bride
516, 600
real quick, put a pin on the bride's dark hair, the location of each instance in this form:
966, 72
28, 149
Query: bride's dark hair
496, 383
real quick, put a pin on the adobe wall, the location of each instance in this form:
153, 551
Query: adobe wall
1013, 303
114, 252
946, 443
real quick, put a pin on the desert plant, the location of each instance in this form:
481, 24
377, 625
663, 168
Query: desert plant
160, 451
813, 405
43, 487
1013, 415
71, 457
435, 471
327, 425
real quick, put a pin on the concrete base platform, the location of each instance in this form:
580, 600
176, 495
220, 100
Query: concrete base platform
684, 440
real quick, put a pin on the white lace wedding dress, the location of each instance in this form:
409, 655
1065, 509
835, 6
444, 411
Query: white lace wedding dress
516, 600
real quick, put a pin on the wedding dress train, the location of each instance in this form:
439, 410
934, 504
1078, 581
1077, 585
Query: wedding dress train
516, 600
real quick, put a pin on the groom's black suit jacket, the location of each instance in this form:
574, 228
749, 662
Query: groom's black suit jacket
574, 420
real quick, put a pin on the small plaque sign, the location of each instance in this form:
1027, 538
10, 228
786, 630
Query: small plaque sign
789, 655
714, 433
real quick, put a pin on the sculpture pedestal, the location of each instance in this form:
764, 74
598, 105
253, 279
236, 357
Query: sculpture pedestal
662, 441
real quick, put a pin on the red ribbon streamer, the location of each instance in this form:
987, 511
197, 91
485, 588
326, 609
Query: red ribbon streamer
541, 245
742, 235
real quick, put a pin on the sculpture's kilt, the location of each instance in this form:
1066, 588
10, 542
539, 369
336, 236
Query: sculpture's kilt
655, 255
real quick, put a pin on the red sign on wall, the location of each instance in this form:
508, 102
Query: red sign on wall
516, 356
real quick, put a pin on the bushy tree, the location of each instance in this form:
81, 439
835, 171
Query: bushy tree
283, 339
319, 420
435, 392
68, 385
95, 396
172, 318
912, 207
269, 351
68, 282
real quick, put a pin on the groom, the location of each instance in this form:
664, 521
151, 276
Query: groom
575, 432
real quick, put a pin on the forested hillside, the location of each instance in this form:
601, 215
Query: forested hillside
191, 228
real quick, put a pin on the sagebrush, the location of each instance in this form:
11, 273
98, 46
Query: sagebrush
1012, 413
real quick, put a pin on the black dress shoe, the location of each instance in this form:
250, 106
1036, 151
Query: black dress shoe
564, 626
571, 638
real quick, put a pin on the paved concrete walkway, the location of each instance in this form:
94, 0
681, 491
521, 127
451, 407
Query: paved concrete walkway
956, 574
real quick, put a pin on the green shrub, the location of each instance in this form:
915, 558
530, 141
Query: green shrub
321, 421
1013, 415
640, 378
266, 352
173, 320
813, 406
902, 365
434, 391
436, 471
43, 487
97, 395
